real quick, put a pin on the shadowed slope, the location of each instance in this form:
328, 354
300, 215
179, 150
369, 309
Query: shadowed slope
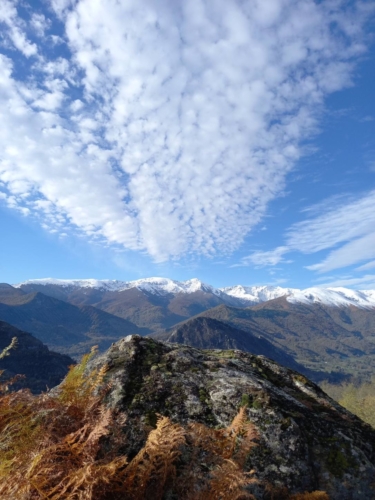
208, 333
322, 338
42, 368
64, 327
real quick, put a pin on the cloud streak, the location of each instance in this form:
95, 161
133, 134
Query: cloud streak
346, 230
167, 127
265, 259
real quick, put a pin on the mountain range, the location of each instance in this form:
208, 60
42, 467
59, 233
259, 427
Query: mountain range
239, 295
62, 326
320, 337
328, 330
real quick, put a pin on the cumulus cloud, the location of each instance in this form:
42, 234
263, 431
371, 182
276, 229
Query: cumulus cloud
14, 29
167, 127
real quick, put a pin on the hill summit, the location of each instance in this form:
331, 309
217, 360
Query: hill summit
306, 441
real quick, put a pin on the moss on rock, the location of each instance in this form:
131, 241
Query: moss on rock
307, 442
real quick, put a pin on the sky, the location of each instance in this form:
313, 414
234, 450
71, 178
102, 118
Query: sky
228, 140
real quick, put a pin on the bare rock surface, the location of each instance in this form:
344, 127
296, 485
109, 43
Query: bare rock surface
307, 441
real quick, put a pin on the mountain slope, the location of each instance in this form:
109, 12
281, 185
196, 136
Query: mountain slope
153, 303
63, 326
9, 293
42, 368
208, 333
317, 336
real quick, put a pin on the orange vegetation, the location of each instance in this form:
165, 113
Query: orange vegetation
51, 447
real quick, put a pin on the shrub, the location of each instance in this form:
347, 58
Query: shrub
51, 448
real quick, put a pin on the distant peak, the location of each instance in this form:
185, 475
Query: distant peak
234, 295
256, 294
152, 285
335, 297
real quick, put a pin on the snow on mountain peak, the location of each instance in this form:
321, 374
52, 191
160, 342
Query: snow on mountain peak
239, 295
152, 285
256, 294
166, 285
75, 283
335, 297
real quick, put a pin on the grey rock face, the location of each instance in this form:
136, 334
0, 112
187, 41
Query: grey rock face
307, 441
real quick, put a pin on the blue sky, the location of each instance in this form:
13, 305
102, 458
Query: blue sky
231, 141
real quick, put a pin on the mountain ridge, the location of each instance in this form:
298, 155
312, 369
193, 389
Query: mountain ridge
207, 333
239, 295
319, 337
330, 330
62, 326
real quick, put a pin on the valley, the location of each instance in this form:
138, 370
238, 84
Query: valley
209, 362
327, 333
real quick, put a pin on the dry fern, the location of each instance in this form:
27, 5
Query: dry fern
227, 483
225, 454
49, 443
154, 466
78, 387
315, 495
51, 449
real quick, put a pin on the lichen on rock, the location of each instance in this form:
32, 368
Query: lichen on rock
307, 441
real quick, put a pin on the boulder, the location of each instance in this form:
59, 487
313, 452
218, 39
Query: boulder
306, 440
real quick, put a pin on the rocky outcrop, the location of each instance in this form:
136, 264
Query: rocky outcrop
42, 368
307, 441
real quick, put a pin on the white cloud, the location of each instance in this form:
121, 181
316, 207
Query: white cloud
351, 253
15, 28
191, 115
39, 23
366, 282
262, 259
347, 230
347, 221
366, 267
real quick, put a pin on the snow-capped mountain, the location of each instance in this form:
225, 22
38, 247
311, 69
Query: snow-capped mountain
250, 295
236, 295
325, 329
158, 286
334, 297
